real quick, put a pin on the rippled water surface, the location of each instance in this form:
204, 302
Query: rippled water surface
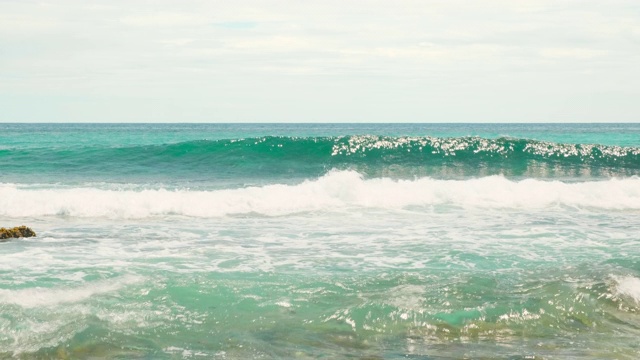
360, 241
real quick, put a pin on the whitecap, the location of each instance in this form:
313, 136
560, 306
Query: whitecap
337, 191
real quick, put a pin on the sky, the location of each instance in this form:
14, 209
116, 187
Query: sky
320, 61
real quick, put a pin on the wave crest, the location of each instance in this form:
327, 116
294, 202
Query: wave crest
335, 191
306, 157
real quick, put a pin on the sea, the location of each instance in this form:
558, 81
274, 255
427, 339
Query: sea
320, 241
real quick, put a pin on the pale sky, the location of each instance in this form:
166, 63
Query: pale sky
320, 61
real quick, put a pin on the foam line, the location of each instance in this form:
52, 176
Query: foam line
337, 190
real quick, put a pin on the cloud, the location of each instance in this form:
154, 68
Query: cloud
176, 52
239, 25
164, 19
572, 53
272, 43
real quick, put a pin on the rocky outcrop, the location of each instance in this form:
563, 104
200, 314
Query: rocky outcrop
16, 232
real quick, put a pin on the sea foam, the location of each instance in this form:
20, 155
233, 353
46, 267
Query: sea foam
335, 191
42, 297
628, 286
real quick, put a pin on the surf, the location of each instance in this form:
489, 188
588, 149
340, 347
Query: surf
333, 192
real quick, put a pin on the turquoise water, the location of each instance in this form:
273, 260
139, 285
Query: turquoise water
370, 241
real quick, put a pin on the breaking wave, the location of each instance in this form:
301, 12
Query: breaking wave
304, 157
335, 191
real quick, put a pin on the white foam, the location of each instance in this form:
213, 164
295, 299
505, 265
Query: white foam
39, 297
284, 304
336, 191
628, 286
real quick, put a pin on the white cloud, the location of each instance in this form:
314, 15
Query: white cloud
272, 43
572, 53
242, 51
175, 42
24, 25
161, 19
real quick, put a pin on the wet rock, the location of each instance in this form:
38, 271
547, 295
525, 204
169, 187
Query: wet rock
16, 232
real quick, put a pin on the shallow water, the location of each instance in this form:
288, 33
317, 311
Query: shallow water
346, 264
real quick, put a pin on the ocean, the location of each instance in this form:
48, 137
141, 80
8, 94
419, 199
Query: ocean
307, 241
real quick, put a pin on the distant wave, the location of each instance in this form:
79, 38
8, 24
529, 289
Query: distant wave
304, 157
335, 191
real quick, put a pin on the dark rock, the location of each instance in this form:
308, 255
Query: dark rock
16, 232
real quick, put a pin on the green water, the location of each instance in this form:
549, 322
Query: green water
212, 241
